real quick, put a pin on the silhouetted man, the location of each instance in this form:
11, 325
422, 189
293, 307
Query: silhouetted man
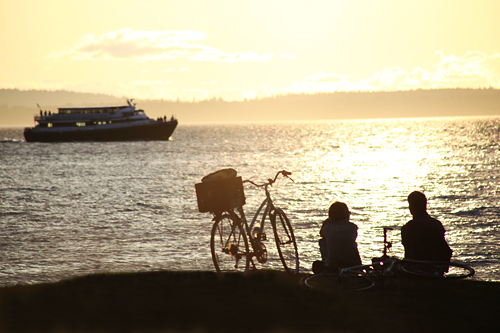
423, 237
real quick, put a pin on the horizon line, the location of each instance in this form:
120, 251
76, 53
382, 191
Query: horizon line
271, 96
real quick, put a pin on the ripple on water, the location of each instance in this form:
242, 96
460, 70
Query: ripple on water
77, 208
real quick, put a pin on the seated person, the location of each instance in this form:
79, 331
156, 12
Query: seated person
423, 236
338, 245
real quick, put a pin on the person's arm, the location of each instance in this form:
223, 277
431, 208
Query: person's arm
406, 241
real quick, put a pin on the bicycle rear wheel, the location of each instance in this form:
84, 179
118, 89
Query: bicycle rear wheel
229, 244
285, 240
352, 280
436, 269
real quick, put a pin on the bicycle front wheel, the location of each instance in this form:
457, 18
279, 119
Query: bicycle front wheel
229, 245
355, 280
285, 241
436, 269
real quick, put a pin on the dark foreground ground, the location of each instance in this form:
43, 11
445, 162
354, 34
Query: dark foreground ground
266, 301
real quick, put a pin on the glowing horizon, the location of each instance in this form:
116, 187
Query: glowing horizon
236, 50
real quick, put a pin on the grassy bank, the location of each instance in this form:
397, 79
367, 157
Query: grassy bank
266, 301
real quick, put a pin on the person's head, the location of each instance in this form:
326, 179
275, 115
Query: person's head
338, 211
417, 202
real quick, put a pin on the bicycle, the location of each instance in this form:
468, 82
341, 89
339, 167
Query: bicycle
383, 268
234, 243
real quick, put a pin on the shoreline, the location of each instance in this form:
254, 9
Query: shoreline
264, 301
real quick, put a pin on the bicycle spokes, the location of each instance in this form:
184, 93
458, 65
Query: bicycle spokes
229, 244
228, 238
285, 240
231, 234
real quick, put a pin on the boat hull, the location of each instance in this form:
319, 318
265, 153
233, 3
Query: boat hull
154, 131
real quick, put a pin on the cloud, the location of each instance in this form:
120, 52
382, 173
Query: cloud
325, 82
472, 70
470, 67
128, 44
392, 76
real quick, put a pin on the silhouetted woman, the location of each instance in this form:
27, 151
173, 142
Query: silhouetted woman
338, 245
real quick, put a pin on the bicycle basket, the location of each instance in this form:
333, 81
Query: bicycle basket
220, 194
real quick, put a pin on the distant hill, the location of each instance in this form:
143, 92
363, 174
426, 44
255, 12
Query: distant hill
30, 98
17, 107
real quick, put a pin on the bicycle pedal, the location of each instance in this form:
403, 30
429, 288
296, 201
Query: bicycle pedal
233, 249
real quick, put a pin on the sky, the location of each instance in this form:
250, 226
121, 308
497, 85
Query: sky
196, 49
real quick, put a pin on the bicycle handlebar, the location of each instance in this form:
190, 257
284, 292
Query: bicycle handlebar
271, 181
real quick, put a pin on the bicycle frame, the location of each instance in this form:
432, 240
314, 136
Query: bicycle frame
383, 268
386, 266
255, 231
233, 238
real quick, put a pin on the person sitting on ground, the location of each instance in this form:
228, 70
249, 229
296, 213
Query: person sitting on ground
423, 237
337, 245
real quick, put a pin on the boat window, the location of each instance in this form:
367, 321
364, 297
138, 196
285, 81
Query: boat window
80, 124
49, 124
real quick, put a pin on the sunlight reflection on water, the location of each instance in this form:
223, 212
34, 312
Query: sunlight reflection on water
77, 208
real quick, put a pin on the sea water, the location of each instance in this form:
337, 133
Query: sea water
71, 209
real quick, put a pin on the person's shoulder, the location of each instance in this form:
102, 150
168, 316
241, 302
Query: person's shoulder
429, 219
325, 222
339, 225
434, 219
408, 224
353, 225
436, 222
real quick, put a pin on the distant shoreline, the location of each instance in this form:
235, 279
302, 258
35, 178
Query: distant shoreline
18, 107
22, 127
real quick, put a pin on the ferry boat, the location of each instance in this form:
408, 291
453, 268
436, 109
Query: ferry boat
99, 123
